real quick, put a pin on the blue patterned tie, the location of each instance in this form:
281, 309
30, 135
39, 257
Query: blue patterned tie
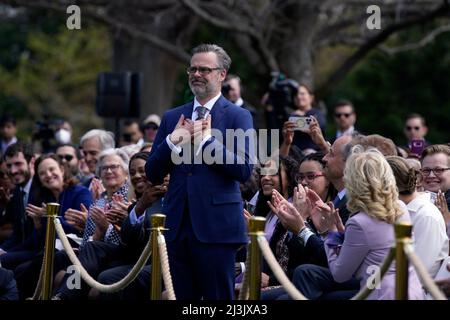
201, 112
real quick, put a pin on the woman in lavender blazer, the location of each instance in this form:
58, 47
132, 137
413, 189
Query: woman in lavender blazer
359, 248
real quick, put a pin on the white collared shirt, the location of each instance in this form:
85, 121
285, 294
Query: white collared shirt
431, 241
341, 194
209, 105
347, 132
239, 102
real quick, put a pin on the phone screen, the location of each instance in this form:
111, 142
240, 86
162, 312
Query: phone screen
417, 147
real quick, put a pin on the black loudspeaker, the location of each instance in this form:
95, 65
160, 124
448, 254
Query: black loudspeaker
118, 95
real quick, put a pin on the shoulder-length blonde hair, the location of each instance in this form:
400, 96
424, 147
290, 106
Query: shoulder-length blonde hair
371, 185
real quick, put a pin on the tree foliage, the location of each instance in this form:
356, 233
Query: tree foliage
55, 75
386, 88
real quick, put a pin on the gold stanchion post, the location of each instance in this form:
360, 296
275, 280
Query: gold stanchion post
157, 222
403, 235
49, 251
255, 228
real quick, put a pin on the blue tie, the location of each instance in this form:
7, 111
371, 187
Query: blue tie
336, 201
201, 112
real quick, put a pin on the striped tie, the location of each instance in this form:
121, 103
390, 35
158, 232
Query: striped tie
201, 112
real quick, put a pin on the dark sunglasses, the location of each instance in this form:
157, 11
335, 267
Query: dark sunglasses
346, 115
151, 126
411, 128
67, 157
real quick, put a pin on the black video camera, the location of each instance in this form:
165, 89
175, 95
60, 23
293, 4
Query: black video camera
45, 133
282, 92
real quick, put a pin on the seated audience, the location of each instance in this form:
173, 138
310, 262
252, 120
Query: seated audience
430, 237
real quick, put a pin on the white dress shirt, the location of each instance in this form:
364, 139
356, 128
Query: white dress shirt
239, 102
431, 241
347, 132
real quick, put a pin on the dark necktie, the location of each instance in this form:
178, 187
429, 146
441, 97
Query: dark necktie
336, 201
23, 214
201, 112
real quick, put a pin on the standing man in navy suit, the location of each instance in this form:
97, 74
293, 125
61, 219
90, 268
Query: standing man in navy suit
203, 203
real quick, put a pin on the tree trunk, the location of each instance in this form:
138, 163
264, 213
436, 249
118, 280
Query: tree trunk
296, 54
159, 73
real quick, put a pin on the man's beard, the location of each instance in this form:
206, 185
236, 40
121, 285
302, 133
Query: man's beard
202, 91
27, 176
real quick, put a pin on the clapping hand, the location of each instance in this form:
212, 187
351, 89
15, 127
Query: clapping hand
36, 213
301, 202
276, 202
117, 212
150, 195
322, 214
247, 216
441, 203
96, 188
337, 219
99, 218
290, 218
77, 218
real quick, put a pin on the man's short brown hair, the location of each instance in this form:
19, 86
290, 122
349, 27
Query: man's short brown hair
385, 145
416, 116
436, 148
343, 103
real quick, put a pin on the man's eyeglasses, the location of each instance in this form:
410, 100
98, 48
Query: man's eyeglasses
346, 115
113, 168
309, 176
201, 70
437, 171
67, 157
411, 128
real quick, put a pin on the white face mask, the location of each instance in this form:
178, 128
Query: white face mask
63, 136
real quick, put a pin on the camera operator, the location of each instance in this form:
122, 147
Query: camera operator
43, 137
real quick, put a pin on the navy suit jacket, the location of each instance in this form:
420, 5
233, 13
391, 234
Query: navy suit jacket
134, 238
22, 225
210, 193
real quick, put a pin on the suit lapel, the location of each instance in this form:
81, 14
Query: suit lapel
187, 111
218, 111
